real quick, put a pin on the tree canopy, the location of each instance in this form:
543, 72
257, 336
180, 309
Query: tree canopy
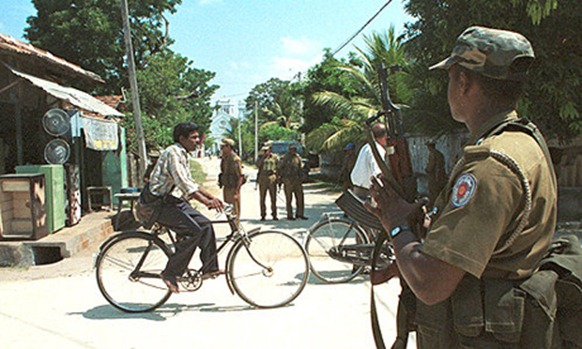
90, 34
552, 96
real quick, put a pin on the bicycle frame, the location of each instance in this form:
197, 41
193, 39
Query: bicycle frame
356, 254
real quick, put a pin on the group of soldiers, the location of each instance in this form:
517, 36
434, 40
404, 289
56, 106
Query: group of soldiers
273, 173
288, 172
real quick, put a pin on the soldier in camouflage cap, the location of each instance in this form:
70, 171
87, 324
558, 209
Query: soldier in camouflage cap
494, 53
474, 269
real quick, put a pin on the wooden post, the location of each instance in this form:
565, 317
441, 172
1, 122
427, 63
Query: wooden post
134, 91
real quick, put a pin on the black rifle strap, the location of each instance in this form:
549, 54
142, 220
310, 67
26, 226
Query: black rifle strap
378, 339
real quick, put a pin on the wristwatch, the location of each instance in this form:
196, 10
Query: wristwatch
399, 229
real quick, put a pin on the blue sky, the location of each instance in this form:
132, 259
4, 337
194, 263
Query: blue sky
246, 42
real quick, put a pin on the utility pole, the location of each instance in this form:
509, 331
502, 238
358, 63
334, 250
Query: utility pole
240, 114
256, 130
134, 91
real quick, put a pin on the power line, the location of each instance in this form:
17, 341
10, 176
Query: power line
361, 29
342, 46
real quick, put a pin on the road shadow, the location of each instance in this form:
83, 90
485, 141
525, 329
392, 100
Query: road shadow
314, 280
108, 312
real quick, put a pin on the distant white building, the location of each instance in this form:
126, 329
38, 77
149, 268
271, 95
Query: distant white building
221, 120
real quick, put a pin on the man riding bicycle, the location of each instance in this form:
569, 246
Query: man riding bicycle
172, 180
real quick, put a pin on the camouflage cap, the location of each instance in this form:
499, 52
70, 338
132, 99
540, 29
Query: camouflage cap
228, 142
495, 53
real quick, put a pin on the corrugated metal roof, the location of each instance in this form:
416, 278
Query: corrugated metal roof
76, 97
8, 43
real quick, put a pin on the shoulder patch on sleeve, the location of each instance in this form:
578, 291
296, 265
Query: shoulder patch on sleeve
463, 190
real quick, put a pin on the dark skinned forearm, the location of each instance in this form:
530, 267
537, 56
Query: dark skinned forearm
431, 279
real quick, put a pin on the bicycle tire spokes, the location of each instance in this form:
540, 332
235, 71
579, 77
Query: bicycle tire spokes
247, 244
325, 244
128, 272
269, 270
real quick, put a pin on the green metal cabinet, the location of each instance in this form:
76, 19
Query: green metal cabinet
54, 176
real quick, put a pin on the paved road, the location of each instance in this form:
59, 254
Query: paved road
59, 306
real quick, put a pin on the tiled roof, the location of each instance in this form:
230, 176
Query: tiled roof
11, 45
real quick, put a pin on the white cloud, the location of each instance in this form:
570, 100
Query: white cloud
290, 57
296, 55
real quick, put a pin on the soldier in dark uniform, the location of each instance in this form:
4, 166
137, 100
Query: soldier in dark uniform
347, 167
231, 175
471, 271
435, 170
267, 178
291, 174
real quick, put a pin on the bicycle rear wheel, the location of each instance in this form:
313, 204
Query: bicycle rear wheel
268, 269
129, 272
332, 233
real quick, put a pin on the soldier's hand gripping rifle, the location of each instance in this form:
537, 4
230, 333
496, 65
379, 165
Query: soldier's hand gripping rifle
392, 117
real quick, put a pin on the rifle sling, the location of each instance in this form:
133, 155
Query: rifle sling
378, 339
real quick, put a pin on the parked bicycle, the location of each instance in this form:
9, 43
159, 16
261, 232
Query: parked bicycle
267, 269
340, 249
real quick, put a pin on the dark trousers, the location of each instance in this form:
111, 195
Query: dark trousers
194, 230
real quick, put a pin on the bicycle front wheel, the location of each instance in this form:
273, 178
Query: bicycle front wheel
129, 272
268, 269
333, 233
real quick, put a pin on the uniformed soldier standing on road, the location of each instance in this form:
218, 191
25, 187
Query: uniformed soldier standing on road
231, 175
472, 270
267, 178
291, 174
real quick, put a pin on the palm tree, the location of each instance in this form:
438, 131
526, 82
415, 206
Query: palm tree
382, 50
285, 112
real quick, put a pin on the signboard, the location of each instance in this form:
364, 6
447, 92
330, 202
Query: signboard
100, 134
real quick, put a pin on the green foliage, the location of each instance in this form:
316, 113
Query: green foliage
352, 106
198, 173
552, 97
90, 34
171, 91
324, 77
275, 132
266, 95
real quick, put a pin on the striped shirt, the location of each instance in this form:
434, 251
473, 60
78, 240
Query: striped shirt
173, 170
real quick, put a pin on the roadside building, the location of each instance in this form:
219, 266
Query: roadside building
48, 126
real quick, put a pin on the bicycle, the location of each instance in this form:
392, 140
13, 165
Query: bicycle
267, 269
340, 249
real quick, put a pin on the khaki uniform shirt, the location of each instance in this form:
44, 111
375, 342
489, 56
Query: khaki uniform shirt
290, 167
268, 166
484, 201
231, 169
